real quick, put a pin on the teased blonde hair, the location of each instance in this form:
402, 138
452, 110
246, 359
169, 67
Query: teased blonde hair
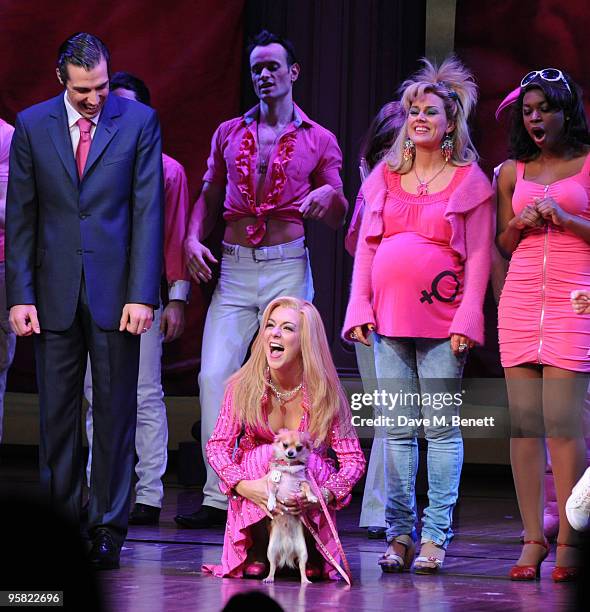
454, 84
327, 399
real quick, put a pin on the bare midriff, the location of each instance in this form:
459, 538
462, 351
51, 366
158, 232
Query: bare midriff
277, 232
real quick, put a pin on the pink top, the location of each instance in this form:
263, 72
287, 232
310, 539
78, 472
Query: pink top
416, 232
176, 210
572, 193
221, 445
305, 157
6, 131
420, 283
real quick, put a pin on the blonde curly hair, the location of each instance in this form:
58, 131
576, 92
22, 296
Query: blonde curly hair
454, 84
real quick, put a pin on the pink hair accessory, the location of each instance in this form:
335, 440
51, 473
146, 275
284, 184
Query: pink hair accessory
511, 98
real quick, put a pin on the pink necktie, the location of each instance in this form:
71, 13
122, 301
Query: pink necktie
84, 144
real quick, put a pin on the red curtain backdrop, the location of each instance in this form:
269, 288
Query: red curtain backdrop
502, 41
187, 51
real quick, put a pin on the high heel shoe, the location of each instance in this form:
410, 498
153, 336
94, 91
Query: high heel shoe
530, 572
431, 559
392, 562
255, 569
313, 571
565, 573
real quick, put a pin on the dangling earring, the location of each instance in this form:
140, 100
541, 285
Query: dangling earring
447, 147
409, 150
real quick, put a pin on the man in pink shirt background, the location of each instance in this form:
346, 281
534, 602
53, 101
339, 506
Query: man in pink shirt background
271, 169
7, 336
151, 438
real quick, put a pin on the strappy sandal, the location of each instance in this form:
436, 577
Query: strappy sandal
429, 563
566, 573
393, 563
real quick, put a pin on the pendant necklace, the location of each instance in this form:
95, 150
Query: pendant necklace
423, 184
284, 396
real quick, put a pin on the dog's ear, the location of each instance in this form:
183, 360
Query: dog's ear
280, 434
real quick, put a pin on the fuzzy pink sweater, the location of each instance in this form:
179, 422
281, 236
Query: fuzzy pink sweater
470, 214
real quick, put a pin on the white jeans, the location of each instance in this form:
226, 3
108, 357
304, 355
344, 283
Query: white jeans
151, 436
373, 506
249, 280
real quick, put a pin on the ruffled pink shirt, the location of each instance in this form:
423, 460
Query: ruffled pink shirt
305, 157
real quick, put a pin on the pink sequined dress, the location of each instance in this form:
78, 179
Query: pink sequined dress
251, 460
536, 322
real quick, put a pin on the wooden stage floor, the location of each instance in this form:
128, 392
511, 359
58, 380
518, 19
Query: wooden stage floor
160, 569
161, 566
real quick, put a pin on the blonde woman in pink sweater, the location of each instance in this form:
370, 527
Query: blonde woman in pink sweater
420, 274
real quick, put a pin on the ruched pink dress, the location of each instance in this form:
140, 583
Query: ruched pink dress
251, 461
536, 322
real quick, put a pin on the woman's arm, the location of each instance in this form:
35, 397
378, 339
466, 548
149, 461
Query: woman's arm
359, 312
509, 227
468, 320
221, 445
345, 444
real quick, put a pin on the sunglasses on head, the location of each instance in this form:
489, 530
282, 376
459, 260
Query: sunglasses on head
547, 74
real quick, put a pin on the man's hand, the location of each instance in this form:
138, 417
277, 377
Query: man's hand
23, 320
172, 322
317, 203
136, 318
197, 255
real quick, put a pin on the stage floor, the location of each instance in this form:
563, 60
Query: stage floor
160, 568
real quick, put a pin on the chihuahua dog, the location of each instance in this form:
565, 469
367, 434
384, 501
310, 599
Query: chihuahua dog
286, 479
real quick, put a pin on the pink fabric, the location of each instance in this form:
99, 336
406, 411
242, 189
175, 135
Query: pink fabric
469, 212
251, 461
83, 147
547, 331
6, 131
305, 157
176, 210
415, 230
352, 235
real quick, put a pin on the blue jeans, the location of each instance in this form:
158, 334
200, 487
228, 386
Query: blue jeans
426, 367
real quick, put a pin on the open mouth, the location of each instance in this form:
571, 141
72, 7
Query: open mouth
538, 134
276, 349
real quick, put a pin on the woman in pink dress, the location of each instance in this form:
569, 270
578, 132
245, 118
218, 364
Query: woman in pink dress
544, 225
289, 382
